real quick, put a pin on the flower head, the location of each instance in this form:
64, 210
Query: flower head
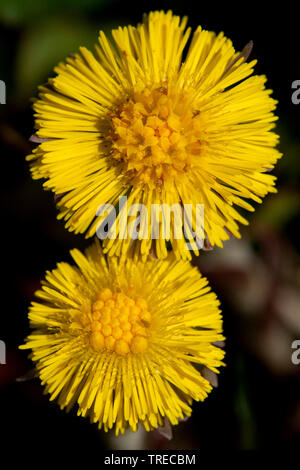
123, 340
135, 120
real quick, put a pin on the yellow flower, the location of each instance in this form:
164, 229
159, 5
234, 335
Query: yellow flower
134, 120
120, 338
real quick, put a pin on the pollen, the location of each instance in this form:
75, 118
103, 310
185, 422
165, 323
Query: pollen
156, 135
119, 323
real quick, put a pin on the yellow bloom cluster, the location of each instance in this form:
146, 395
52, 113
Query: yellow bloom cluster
135, 120
119, 339
125, 337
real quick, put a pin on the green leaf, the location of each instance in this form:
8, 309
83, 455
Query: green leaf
16, 12
43, 46
277, 210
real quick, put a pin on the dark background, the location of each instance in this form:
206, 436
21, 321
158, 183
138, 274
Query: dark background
257, 403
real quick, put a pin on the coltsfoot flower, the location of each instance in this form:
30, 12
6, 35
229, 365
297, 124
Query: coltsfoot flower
125, 341
135, 120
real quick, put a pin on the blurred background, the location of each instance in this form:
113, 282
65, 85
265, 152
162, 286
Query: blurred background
257, 402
